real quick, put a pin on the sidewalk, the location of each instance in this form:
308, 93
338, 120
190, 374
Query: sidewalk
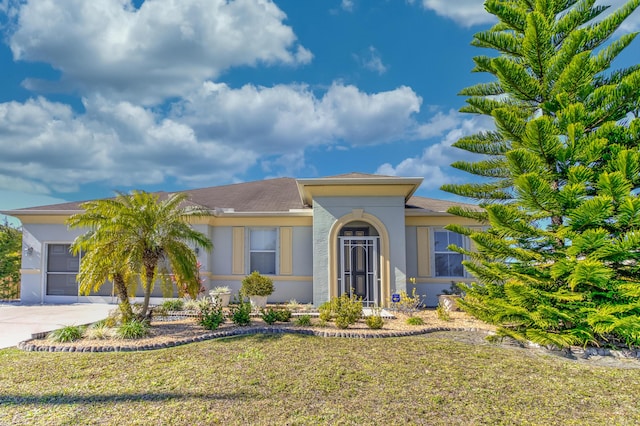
19, 322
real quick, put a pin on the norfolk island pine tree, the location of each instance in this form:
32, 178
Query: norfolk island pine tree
557, 260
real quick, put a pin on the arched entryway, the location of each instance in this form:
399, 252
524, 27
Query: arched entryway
359, 258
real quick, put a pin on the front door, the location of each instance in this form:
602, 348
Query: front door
358, 272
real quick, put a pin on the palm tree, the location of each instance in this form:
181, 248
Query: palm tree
104, 261
140, 234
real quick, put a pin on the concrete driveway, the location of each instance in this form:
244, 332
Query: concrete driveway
19, 322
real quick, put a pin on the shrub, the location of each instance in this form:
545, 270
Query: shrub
134, 329
210, 315
68, 333
325, 311
283, 315
102, 323
269, 315
241, 313
374, 322
407, 305
442, 313
173, 304
293, 305
98, 331
415, 321
193, 304
346, 310
303, 320
342, 322
256, 285
115, 317
202, 304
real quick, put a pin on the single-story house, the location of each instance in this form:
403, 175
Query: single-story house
316, 238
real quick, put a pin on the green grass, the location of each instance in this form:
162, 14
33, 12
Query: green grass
299, 380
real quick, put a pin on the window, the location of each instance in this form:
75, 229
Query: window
262, 250
447, 263
62, 268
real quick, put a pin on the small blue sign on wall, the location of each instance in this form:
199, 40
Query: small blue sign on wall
395, 297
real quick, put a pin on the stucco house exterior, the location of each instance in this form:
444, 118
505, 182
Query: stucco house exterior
316, 238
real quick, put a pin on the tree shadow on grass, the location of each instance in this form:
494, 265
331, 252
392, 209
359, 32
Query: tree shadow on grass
61, 399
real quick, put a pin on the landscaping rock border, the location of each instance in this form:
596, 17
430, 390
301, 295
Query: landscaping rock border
243, 331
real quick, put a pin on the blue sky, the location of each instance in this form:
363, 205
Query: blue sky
105, 95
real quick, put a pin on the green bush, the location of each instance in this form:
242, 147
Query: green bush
68, 333
269, 315
303, 320
415, 321
442, 313
256, 285
325, 311
345, 310
342, 322
283, 315
134, 329
241, 313
210, 315
374, 320
173, 305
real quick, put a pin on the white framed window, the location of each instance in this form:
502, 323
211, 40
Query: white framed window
263, 244
447, 263
62, 268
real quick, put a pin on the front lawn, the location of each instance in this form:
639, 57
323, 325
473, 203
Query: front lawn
290, 379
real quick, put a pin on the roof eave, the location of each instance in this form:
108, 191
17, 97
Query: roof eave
28, 212
296, 213
420, 212
306, 183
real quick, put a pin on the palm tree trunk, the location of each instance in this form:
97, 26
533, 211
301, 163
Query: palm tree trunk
150, 264
122, 293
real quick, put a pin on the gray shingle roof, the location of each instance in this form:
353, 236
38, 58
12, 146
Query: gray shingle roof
270, 195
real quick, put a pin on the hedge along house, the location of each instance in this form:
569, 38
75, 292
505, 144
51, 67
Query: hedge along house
317, 238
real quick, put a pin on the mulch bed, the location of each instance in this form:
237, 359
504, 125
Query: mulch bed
166, 334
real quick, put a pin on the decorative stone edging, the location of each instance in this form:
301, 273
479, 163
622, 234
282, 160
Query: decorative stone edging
346, 333
242, 331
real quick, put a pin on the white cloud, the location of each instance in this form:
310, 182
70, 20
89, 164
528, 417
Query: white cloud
347, 5
433, 163
466, 13
372, 61
284, 117
213, 135
16, 184
48, 146
162, 49
438, 124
